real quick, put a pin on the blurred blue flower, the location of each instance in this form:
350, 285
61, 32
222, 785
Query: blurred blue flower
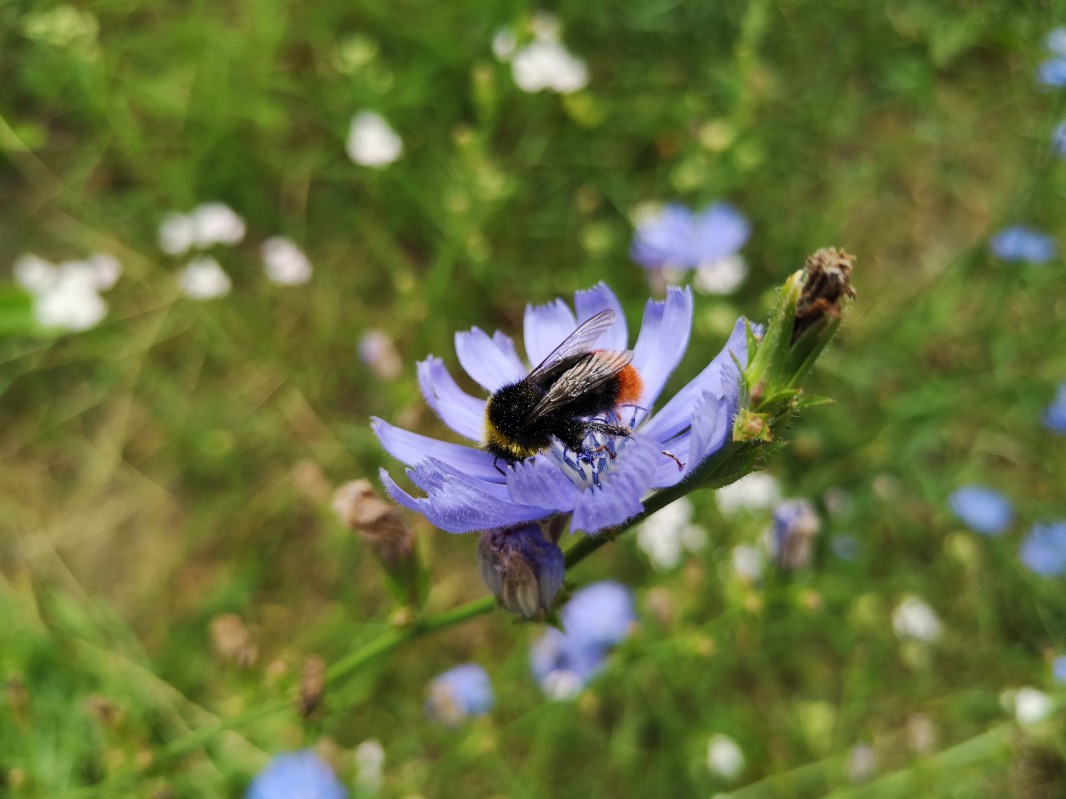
795, 525
597, 618
1058, 139
1052, 72
459, 694
296, 775
982, 509
1055, 415
1058, 668
1056, 41
680, 238
523, 569
1020, 243
465, 491
1044, 549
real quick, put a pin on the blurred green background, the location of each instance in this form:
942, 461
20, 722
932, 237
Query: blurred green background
174, 463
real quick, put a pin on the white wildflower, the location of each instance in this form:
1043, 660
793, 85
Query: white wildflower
914, 619
752, 492
106, 270
725, 758
216, 223
747, 563
862, 763
284, 262
71, 302
504, 44
545, 64
369, 765
667, 534
723, 276
176, 234
371, 142
1031, 705
34, 274
203, 279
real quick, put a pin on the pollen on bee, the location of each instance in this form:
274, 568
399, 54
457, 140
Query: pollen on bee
630, 386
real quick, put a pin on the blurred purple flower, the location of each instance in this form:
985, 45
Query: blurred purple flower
1052, 72
597, 618
680, 238
1044, 549
981, 509
1058, 669
465, 491
1058, 139
795, 525
296, 775
1055, 415
458, 694
1020, 243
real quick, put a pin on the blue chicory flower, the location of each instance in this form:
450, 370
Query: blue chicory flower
464, 489
296, 775
795, 525
1058, 669
459, 694
1055, 415
1052, 72
982, 509
1058, 140
680, 238
1044, 549
597, 618
1020, 243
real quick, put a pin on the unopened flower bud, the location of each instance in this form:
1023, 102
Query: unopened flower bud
522, 568
795, 526
826, 284
381, 524
752, 426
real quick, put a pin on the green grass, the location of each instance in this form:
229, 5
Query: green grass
147, 467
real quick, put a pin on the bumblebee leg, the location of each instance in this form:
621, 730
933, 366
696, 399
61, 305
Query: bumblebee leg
609, 429
496, 465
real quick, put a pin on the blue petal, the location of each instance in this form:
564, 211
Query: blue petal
461, 412
600, 615
663, 339
721, 377
720, 230
545, 327
1021, 243
703, 435
410, 448
458, 504
491, 365
296, 774
542, 483
590, 302
665, 239
981, 509
617, 499
1044, 549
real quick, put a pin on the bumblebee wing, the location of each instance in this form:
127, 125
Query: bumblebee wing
576, 344
586, 375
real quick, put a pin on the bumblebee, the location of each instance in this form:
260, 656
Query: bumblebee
556, 400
